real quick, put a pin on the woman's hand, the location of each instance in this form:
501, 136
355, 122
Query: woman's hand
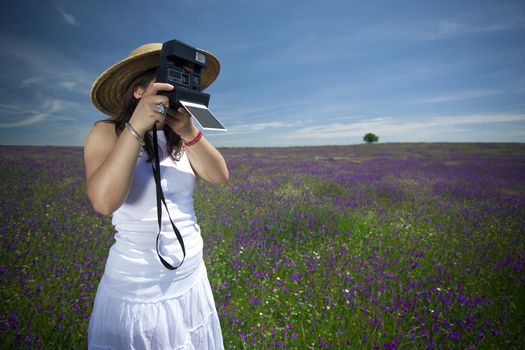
205, 160
146, 114
180, 122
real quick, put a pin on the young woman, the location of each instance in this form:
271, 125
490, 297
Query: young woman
141, 304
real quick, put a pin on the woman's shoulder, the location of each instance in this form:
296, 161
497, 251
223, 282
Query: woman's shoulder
102, 131
104, 128
104, 124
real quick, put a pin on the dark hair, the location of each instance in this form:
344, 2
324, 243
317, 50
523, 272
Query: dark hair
126, 109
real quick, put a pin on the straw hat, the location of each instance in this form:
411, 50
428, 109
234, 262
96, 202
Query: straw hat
109, 88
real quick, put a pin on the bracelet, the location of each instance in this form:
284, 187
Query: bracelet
135, 134
194, 141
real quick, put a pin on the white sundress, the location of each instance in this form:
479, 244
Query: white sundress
140, 304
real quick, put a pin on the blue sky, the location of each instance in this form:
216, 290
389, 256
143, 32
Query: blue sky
292, 72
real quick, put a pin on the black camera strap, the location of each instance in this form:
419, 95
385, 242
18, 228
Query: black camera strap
160, 197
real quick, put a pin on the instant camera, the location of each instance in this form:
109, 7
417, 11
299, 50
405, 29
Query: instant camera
181, 66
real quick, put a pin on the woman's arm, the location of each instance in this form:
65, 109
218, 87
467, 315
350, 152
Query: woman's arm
205, 159
110, 160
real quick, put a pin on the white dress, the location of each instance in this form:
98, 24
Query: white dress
140, 304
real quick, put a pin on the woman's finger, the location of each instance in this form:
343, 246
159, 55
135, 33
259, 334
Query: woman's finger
154, 88
176, 115
183, 111
156, 99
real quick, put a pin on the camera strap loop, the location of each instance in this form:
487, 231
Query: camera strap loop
160, 197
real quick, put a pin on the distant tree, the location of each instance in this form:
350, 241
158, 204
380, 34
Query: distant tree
370, 138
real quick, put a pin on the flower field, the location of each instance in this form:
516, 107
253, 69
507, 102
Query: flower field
382, 246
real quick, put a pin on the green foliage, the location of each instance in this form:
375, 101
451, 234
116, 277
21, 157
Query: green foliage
370, 138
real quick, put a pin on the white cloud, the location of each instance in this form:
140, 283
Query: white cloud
435, 29
459, 95
450, 28
435, 127
69, 18
255, 127
29, 81
68, 85
32, 64
36, 118
50, 110
478, 119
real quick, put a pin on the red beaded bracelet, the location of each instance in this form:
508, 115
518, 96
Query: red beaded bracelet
194, 141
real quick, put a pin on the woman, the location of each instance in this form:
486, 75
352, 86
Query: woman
140, 304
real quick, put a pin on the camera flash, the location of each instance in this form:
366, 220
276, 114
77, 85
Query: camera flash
200, 57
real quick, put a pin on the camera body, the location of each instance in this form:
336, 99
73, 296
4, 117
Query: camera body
181, 66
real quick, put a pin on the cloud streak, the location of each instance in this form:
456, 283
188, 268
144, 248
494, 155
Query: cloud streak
32, 64
52, 108
459, 96
255, 128
396, 127
437, 29
68, 18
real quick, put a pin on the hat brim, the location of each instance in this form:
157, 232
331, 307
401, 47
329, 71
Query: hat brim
109, 88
